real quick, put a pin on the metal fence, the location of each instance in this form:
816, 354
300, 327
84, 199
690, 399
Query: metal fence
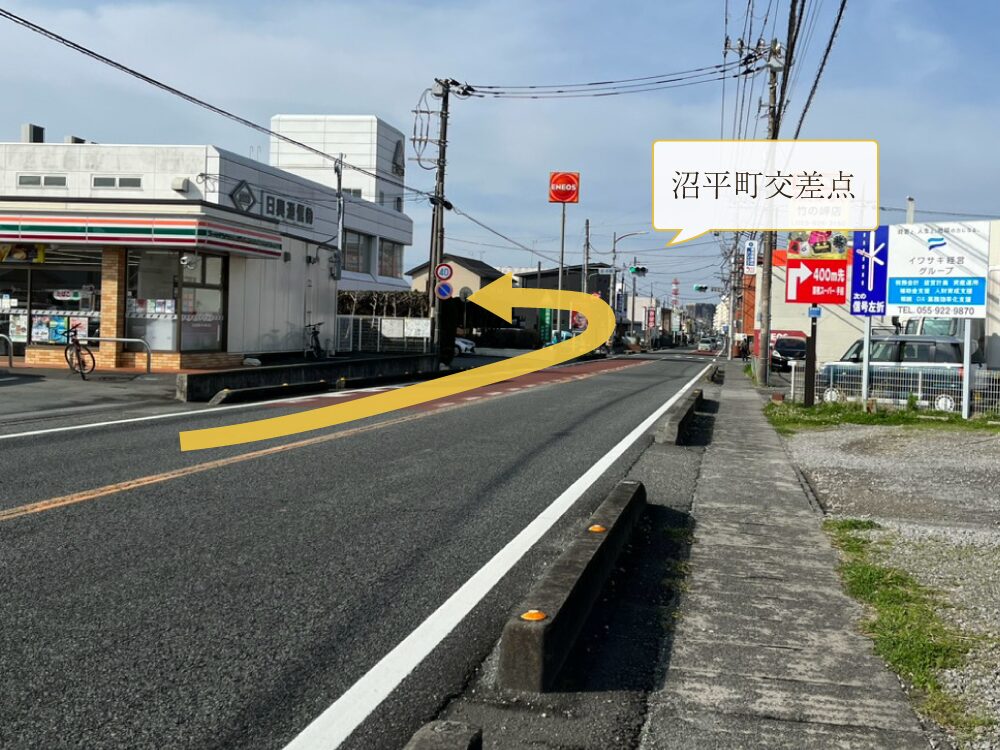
382, 334
937, 388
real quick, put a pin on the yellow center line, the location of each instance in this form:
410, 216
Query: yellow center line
111, 489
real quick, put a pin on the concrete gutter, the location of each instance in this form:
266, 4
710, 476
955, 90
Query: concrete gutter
446, 735
534, 650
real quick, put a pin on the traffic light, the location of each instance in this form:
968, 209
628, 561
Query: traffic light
638, 270
700, 287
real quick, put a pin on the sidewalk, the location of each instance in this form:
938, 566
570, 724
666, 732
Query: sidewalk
767, 651
27, 393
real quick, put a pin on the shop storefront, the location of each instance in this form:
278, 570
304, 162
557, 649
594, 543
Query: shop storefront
137, 284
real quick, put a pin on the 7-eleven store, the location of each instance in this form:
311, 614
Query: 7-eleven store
163, 273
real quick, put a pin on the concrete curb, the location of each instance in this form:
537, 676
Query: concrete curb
446, 735
261, 392
532, 652
677, 419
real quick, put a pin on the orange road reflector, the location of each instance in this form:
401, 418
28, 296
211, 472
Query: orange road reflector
534, 615
597, 528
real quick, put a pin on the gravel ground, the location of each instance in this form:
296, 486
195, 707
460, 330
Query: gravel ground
942, 525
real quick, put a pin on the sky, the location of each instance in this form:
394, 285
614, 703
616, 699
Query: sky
914, 74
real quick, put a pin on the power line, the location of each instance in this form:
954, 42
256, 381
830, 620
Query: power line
593, 83
190, 98
822, 65
617, 92
501, 235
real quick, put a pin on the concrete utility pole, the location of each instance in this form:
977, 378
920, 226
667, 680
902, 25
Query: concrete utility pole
437, 221
911, 210
734, 275
340, 251
774, 64
586, 255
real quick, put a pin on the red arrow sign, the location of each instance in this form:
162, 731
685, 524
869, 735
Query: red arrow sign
821, 282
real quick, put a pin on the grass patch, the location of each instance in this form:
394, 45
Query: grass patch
788, 417
905, 627
748, 371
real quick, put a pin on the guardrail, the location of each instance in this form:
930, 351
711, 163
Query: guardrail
10, 350
149, 352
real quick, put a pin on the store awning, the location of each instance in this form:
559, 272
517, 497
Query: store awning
94, 230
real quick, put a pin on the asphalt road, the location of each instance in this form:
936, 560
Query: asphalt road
228, 604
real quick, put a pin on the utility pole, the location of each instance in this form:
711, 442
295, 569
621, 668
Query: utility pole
340, 250
586, 255
911, 209
734, 275
614, 279
774, 64
631, 322
437, 221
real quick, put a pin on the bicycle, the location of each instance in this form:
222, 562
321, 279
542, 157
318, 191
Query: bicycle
313, 348
78, 356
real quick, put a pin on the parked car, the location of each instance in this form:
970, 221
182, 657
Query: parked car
464, 346
926, 367
787, 349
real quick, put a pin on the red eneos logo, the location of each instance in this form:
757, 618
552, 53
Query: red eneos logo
564, 187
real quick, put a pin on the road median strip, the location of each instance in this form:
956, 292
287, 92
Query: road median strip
539, 637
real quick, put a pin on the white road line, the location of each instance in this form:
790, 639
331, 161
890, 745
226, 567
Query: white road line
346, 714
175, 414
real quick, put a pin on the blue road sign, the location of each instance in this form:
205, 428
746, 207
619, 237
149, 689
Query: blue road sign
869, 273
750, 257
443, 290
815, 312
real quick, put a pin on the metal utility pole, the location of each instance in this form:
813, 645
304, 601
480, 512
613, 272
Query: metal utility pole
774, 64
443, 90
631, 322
586, 255
562, 259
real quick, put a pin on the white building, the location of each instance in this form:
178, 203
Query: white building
206, 254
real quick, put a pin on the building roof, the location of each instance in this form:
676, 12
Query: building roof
481, 269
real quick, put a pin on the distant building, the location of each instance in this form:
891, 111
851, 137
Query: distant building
572, 280
469, 274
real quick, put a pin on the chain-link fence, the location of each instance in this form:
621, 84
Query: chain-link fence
381, 334
939, 388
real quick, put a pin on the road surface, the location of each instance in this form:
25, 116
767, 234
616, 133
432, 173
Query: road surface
226, 598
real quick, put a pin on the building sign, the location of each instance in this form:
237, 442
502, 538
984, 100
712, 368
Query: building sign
287, 210
564, 187
938, 269
868, 272
750, 258
650, 317
545, 325
818, 282
243, 197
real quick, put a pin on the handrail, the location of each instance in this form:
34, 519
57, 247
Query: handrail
149, 352
10, 350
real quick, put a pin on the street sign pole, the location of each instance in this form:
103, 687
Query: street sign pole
866, 361
967, 371
810, 388
562, 258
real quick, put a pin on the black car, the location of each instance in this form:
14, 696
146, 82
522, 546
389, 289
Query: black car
786, 350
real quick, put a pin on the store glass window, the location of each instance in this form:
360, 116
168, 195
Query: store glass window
61, 299
151, 298
203, 305
390, 259
14, 306
357, 252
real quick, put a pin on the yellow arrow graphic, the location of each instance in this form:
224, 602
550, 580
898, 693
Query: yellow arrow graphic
499, 298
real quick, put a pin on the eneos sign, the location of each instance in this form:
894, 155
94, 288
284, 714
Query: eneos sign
564, 187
